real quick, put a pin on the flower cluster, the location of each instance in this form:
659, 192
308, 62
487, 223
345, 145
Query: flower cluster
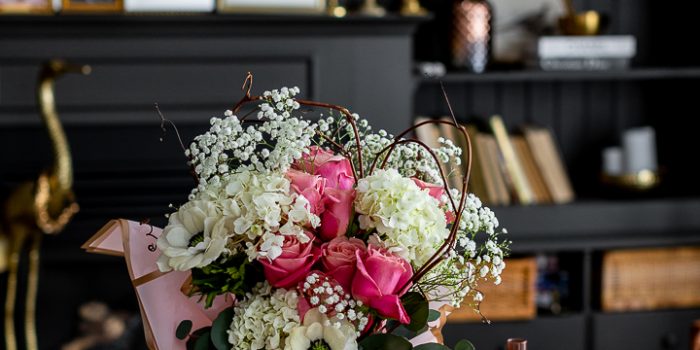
327, 233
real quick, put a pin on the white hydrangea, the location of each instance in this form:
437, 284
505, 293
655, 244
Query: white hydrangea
407, 219
262, 209
264, 319
195, 236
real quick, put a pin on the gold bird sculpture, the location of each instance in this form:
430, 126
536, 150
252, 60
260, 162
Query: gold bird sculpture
40, 206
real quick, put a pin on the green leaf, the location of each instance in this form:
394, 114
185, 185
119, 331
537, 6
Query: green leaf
464, 345
219, 336
433, 315
431, 346
183, 329
417, 308
385, 342
202, 343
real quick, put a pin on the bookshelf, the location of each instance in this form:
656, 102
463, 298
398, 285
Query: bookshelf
587, 111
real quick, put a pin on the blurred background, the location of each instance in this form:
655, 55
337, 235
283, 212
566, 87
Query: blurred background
591, 165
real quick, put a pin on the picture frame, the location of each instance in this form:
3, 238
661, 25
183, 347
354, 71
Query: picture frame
92, 6
25, 7
272, 6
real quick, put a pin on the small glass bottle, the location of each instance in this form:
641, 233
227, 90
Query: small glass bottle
471, 34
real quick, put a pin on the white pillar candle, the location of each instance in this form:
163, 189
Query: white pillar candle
639, 149
613, 161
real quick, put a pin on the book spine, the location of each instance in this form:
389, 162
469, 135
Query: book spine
587, 47
513, 166
583, 64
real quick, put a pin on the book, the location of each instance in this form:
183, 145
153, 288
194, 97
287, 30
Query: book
603, 46
493, 173
549, 161
532, 172
513, 169
578, 64
477, 176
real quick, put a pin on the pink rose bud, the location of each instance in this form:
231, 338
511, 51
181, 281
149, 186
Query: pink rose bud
293, 264
379, 282
339, 260
309, 186
338, 210
336, 169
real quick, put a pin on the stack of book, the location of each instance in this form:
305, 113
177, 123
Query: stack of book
524, 168
607, 52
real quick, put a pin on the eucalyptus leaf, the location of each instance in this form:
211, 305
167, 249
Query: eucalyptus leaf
431, 346
417, 308
183, 329
433, 315
219, 336
385, 342
464, 345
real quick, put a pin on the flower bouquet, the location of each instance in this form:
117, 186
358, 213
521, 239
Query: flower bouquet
310, 234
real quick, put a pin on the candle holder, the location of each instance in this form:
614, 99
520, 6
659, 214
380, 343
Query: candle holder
412, 8
371, 8
641, 181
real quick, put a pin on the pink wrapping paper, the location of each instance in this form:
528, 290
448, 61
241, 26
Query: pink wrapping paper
163, 305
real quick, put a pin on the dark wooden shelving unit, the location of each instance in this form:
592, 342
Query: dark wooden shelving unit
633, 74
587, 111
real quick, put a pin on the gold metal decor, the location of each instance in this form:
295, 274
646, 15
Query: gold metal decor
335, 9
642, 181
583, 23
372, 8
412, 8
34, 208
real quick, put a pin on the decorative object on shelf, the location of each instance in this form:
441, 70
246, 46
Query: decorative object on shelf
88, 6
25, 7
583, 23
634, 165
412, 8
372, 8
271, 6
651, 279
35, 208
471, 35
327, 234
512, 300
516, 26
105, 329
168, 6
335, 9
431, 69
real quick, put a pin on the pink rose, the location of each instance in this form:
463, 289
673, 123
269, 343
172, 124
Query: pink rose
335, 169
339, 259
378, 281
293, 264
338, 211
309, 186
435, 191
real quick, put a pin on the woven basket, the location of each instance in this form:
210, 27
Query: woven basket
513, 299
648, 279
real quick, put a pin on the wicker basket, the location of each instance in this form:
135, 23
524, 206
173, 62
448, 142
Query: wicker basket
514, 299
648, 279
